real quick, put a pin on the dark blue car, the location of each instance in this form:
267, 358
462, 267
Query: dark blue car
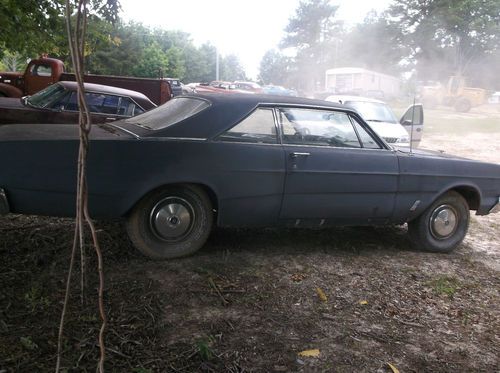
243, 160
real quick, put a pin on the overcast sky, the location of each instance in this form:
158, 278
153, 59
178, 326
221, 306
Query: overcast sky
246, 28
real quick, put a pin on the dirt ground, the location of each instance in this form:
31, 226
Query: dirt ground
253, 300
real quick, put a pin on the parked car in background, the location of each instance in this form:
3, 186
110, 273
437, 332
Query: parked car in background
382, 119
243, 160
248, 86
58, 104
278, 90
175, 86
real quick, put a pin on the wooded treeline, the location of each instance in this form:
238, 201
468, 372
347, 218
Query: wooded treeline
426, 40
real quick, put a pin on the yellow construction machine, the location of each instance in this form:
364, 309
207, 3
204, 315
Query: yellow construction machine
455, 93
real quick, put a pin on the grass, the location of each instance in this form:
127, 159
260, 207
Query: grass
445, 285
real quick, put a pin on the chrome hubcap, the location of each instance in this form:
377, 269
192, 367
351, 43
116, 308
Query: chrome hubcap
443, 222
172, 219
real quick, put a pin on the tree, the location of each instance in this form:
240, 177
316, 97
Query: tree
374, 44
12, 61
152, 63
42, 24
274, 68
231, 69
454, 33
311, 33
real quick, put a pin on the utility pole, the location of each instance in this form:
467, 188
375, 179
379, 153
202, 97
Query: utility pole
216, 64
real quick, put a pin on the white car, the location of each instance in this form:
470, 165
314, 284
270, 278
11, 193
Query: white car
383, 121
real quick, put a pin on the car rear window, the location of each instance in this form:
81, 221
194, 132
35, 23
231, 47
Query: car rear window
171, 112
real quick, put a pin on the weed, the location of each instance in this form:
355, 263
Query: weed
204, 346
28, 343
35, 299
445, 285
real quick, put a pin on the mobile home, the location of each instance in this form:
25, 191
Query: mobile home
355, 80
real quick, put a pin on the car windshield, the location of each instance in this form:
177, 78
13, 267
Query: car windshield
171, 112
373, 111
46, 97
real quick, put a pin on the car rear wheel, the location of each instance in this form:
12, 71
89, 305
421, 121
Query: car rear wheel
171, 222
443, 226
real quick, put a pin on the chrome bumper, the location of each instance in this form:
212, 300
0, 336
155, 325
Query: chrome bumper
4, 204
496, 207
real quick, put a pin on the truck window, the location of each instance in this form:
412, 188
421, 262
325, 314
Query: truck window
41, 70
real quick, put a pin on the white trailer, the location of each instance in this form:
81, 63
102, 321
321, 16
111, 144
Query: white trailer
355, 80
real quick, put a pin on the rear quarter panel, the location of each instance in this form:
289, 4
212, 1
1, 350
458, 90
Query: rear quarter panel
40, 176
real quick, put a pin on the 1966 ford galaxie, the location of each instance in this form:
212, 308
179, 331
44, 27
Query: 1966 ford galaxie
243, 160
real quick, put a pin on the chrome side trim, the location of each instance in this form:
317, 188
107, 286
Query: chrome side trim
4, 203
137, 137
181, 138
496, 207
415, 205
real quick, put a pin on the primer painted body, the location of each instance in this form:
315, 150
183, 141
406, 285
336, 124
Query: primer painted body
253, 184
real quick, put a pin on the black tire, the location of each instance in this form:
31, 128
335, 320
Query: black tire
443, 226
171, 222
463, 105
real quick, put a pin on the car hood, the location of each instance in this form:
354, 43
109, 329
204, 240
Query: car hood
387, 129
38, 132
428, 153
11, 103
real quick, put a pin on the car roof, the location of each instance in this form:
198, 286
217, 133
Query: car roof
337, 98
225, 110
139, 97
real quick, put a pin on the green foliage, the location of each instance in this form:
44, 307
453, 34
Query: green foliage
136, 50
445, 285
374, 44
230, 69
12, 61
33, 27
28, 343
312, 31
204, 347
275, 68
35, 299
450, 33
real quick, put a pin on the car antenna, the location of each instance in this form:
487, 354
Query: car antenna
412, 122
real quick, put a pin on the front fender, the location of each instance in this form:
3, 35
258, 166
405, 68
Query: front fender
10, 91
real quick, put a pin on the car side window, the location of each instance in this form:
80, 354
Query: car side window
258, 127
366, 139
129, 108
317, 127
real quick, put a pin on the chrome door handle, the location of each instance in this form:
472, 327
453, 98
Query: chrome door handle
298, 154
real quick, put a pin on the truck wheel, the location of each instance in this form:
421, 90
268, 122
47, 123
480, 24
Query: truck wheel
443, 226
171, 222
463, 105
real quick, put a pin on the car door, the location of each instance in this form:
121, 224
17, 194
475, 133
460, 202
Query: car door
413, 121
337, 170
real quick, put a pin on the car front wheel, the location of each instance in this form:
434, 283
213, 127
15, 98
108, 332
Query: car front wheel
443, 226
171, 222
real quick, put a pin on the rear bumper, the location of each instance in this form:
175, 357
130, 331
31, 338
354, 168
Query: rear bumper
4, 204
496, 207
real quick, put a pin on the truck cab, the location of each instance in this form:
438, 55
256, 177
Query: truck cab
39, 74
